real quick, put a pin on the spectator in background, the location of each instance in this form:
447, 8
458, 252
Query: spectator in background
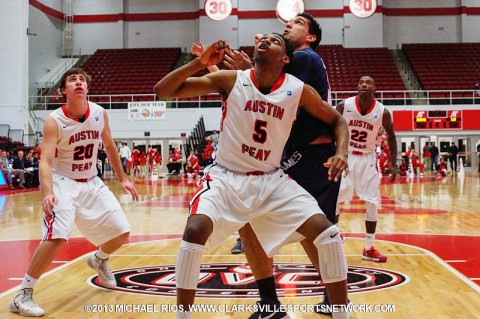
478, 154
192, 165
442, 168
403, 168
102, 157
452, 153
143, 162
38, 151
158, 158
214, 138
125, 154
426, 156
384, 161
174, 162
415, 159
19, 165
135, 160
434, 156
5, 167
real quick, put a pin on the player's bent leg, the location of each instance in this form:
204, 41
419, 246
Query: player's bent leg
187, 266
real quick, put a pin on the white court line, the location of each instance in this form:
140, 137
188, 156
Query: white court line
15, 278
456, 261
59, 261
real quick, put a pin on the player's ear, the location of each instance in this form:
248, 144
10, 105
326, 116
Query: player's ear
286, 59
311, 38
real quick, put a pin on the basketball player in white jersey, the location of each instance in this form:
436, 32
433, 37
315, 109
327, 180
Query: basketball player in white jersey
365, 116
245, 183
72, 192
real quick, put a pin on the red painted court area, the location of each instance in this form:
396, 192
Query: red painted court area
461, 252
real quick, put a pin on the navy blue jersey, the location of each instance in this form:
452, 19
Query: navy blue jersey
308, 66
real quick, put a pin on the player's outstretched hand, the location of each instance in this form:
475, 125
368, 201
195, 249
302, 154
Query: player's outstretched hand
237, 60
128, 187
214, 53
336, 164
197, 49
48, 203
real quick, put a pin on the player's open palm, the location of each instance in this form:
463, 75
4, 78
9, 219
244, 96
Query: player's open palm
214, 53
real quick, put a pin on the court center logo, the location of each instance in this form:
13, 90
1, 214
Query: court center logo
235, 280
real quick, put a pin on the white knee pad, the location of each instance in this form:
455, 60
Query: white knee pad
372, 212
333, 263
187, 266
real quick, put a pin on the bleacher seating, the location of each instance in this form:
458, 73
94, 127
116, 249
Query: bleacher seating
345, 66
445, 66
129, 71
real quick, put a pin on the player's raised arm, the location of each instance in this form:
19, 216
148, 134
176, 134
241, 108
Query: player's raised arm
179, 82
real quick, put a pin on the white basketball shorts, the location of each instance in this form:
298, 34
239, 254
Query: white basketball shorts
90, 205
363, 179
274, 205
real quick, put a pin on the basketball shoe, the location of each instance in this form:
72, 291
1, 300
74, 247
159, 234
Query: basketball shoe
324, 307
104, 273
24, 305
373, 255
266, 310
238, 248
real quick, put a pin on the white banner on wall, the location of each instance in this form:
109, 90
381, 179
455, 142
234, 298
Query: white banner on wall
139, 111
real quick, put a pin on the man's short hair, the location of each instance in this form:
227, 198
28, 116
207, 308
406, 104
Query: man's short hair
313, 28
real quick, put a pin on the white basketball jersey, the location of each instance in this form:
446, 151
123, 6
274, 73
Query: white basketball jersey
255, 127
77, 143
363, 129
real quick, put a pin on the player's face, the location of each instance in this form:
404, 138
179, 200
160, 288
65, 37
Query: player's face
75, 85
366, 86
296, 31
270, 45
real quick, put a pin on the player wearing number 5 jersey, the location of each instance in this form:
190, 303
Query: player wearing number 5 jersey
245, 184
72, 192
365, 116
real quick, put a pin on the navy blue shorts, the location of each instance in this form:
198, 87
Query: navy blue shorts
306, 168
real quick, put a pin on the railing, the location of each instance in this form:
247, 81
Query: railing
120, 101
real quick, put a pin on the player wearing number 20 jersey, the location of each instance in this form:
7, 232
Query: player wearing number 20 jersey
77, 144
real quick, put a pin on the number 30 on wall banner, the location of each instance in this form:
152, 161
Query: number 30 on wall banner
218, 9
363, 8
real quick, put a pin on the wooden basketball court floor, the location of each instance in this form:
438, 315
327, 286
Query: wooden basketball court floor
428, 228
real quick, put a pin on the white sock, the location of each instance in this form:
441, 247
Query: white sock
183, 315
369, 239
101, 254
28, 282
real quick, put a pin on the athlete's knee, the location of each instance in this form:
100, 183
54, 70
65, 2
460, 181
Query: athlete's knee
332, 260
198, 229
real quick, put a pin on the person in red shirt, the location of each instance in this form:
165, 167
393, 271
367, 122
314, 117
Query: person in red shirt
384, 160
415, 159
143, 162
174, 162
442, 169
158, 158
193, 165
403, 168
135, 160
150, 155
